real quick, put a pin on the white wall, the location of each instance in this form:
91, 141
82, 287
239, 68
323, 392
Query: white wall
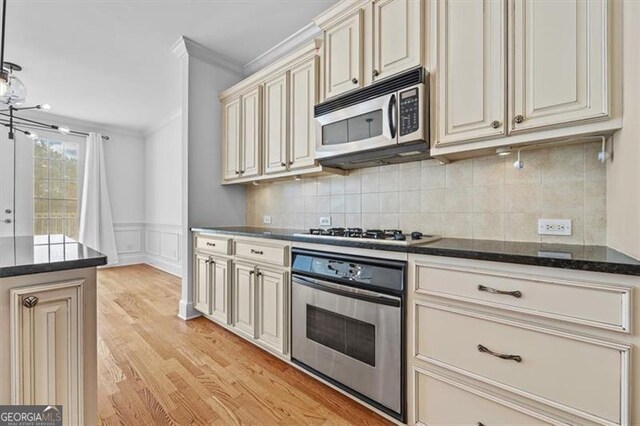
163, 194
623, 172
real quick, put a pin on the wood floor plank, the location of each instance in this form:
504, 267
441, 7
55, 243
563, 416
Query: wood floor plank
156, 369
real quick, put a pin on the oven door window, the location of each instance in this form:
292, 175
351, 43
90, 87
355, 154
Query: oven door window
351, 337
361, 127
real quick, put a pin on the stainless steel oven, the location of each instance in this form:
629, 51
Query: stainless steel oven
384, 118
347, 324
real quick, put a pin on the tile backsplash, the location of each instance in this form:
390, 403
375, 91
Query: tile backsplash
482, 198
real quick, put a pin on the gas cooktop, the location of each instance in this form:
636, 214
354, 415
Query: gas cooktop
387, 236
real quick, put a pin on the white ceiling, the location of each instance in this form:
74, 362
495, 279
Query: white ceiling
110, 61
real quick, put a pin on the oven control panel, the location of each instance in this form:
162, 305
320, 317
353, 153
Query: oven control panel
409, 111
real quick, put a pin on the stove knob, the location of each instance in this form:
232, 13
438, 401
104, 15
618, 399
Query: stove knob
399, 237
416, 235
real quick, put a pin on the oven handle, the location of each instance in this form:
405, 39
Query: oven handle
351, 292
391, 111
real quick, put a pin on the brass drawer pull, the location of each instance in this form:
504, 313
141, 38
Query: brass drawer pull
256, 251
484, 349
210, 244
517, 294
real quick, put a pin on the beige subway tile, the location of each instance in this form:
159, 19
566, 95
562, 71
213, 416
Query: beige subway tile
338, 220
324, 185
595, 195
488, 226
389, 179
564, 163
370, 203
310, 187
311, 221
433, 224
563, 195
410, 176
353, 220
459, 174
389, 220
324, 203
432, 175
337, 185
389, 202
433, 201
410, 222
532, 171
488, 199
459, 200
523, 198
370, 182
311, 205
593, 169
298, 204
521, 227
353, 183
595, 228
353, 203
338, 203
371, 220
489, 170
409, 202
458, 225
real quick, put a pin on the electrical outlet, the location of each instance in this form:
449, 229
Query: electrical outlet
554, 226
325, 221
266, 220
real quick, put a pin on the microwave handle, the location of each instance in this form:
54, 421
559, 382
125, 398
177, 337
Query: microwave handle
392, 111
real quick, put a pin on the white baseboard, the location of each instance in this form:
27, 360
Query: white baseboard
169, 267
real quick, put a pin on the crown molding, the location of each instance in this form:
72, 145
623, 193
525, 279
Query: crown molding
187, 47
83, 125
286, 46
163, 122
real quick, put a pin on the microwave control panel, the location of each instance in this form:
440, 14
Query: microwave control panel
409, 112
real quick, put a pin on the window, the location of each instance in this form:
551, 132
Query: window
56, 207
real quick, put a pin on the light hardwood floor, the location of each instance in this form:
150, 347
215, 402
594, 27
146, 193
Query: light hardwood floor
154, 368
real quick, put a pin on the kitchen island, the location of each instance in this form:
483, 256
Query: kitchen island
48, 324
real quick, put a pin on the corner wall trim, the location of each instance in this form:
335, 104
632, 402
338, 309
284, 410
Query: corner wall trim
186, 46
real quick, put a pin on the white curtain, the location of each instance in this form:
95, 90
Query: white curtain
96, 222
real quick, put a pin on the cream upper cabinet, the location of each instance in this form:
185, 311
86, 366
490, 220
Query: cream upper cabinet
471, 57
271, 305
397, 36
250, 131
47, 349
244, 319
343, 55
202, 284
275, 123
302, 99
231, 138
559, 66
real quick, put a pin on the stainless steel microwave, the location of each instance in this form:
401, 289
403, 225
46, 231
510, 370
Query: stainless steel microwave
384, 123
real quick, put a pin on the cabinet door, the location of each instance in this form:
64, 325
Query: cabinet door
202, 287
560, 62
251, 132
275, 123
46, 351
471, 57
303, 97
244, 299
397, 36
231, 139
271, 308
220, 283
343, 56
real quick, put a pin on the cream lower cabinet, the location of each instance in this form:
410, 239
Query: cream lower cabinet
212, 285
494, 343
244, 296
48, 342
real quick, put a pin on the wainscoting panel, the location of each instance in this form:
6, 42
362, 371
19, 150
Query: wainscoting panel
129, 242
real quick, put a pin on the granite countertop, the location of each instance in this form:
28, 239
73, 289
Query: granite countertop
36, 254
568, 256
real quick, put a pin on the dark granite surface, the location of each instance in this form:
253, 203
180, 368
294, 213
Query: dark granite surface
586, 258
36, 254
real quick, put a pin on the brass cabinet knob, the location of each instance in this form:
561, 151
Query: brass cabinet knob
283, 164
376, 73
237, 172
354, 80
519, 118
495, 124
30, 302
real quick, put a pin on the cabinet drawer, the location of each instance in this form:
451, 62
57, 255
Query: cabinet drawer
265, 252
583, 376
442, 401
213, 244
594, 304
